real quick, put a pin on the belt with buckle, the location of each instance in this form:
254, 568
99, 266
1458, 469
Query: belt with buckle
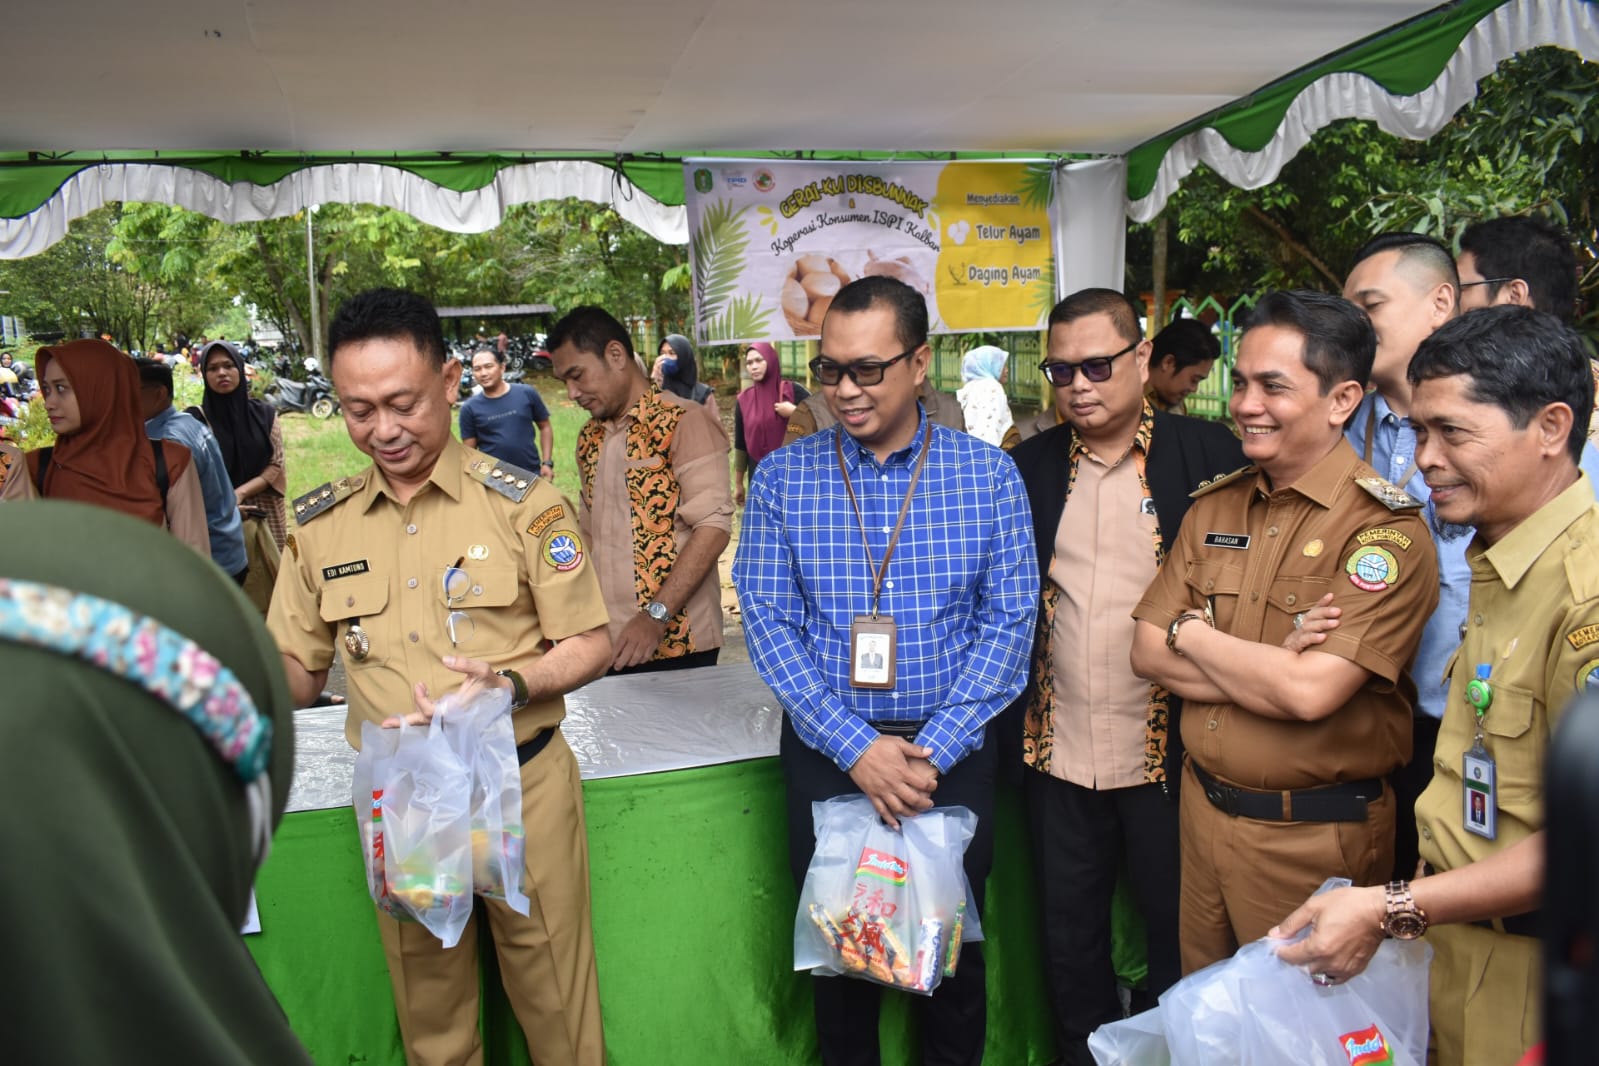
1516, 925
526, 751
1344, 802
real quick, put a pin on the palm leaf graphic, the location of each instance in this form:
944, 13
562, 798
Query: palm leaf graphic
1044, 291
1037, 188
744, 319
718, 250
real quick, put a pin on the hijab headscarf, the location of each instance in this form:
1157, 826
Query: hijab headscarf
242, 426
107, 461
680, 372
982, 398
764, 427
126, 834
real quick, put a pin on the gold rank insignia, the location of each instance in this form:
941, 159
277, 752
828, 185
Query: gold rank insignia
509, 481
1388, 494
324, 497
1211, 484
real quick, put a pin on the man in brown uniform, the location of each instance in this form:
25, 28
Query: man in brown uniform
656, 503
1501, 399
364, 572
1287, 750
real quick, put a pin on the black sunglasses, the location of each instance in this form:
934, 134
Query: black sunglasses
1096, 369
867, 372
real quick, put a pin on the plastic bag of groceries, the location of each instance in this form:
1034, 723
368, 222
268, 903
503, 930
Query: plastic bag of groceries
1256, 1010
371, 774
479, 731
425, 814
885, 905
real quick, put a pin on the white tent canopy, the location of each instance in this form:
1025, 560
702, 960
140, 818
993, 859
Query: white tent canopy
455, 112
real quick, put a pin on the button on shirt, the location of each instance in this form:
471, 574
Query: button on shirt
1393, 450
962, 587
221, 505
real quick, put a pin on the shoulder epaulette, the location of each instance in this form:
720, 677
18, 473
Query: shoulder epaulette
1388, 494
509, 481
1221, 479
323, 497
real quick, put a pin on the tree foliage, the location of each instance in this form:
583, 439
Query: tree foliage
1528, 143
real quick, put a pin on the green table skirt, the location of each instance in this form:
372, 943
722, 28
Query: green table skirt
693, 926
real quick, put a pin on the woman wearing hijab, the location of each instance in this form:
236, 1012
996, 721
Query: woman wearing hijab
982, 397
141, 776
677, 371
101, 454
762, 413
252, 444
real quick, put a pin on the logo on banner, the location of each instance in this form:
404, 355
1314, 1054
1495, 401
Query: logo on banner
703, 182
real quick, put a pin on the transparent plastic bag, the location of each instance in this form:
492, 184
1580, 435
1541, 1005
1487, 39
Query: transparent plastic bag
427, 837
1256, 1010
371, 774
883, 905
479, 731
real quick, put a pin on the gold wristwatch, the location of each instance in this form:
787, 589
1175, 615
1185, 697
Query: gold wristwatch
1403, 920
1176, 624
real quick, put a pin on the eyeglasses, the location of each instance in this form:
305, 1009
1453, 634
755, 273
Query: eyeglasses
1096, 369
1485, 281
866, 372
458, 624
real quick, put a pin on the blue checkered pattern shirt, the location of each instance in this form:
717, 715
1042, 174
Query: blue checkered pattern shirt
962, 588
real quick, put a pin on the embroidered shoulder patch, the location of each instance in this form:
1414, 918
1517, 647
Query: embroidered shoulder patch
546, 518
1372, 569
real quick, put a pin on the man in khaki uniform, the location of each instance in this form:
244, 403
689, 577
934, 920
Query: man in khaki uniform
1502, 397
1288, 748
656, 504
364, 572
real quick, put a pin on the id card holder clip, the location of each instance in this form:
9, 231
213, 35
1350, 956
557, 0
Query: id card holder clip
873, 647
1480, 795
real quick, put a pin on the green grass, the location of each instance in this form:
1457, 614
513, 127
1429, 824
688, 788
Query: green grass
316, 451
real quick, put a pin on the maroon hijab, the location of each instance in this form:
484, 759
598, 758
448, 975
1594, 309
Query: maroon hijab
763, 427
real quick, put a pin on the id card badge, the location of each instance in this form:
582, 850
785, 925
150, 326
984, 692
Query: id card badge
1480, 794
873, 643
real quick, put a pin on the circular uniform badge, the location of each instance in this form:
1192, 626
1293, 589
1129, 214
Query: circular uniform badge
1372, 568
1588, 676
563, 551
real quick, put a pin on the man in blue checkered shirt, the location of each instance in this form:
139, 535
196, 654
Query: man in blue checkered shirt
937, 523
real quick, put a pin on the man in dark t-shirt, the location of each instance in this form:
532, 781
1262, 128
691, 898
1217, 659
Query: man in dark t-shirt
500, 421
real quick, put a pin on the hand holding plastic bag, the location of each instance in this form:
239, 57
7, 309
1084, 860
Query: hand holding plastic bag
890, 906
1256, 1010
479, 730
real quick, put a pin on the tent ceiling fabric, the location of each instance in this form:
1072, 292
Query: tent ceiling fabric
454, 113
683, 77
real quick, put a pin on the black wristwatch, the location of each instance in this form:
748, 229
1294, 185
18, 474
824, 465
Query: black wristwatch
518, 688
547, 462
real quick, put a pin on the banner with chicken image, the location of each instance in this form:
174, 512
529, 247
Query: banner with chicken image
772, 241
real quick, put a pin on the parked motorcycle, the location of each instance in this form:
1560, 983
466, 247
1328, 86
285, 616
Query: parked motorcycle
315, 394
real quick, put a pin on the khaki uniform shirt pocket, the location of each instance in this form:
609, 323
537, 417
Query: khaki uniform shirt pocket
490, 628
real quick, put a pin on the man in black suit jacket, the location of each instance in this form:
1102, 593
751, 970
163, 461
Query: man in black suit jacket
1108, 490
